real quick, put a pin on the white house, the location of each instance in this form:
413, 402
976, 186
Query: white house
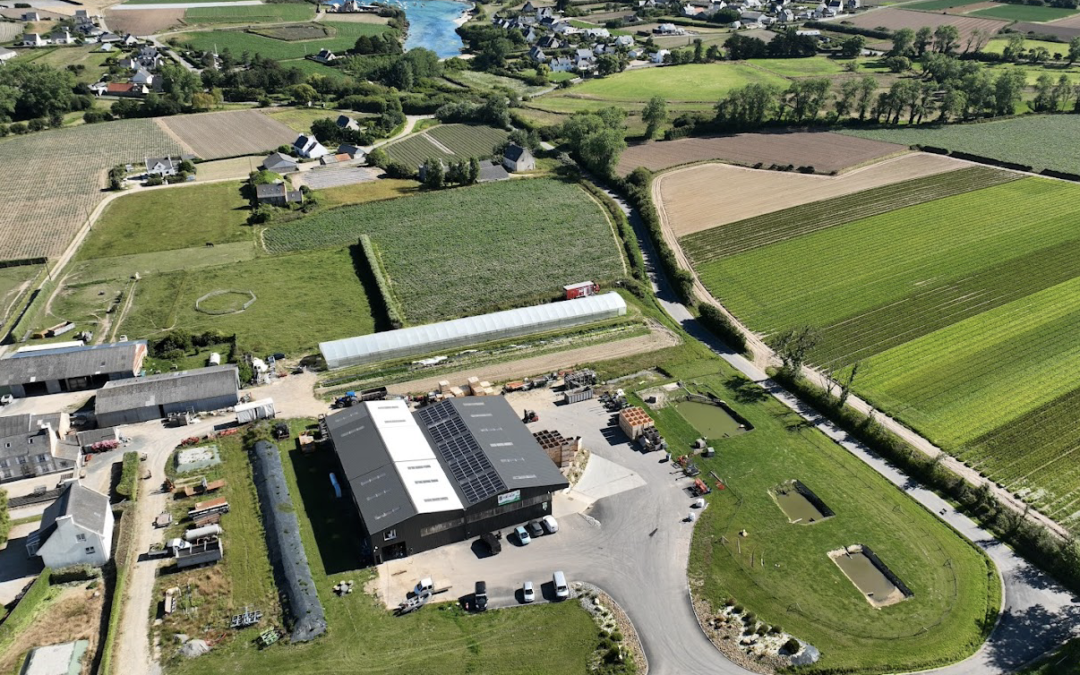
143, 77
785, 16
325, 56
310, 147
31, 16
33, 40
346, 122
161, 166
76, 529
537, 55
658, 57
517, 158
624, 41
598, 33
62, 38
561, 64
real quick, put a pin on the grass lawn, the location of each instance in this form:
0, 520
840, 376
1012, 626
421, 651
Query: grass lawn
1065, 661
62, 57
814, 66
1024, 13
546, 638
250, 14
998, 46
345, 36
12, 279
300, 119
322, 285
487, 82
372, 191
169, 218
498, 256
701, 84
781, 571
309, 67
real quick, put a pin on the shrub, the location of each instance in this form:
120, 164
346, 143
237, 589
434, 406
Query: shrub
730, 602
616, 635
64, 575
750, 618
129, 476
717, 323
792, 646
762, 629
737, 609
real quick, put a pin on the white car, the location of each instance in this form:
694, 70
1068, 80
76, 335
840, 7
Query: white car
6, 399
550, 524
528, 593
522, 536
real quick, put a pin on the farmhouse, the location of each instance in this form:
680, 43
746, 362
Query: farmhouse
155, 396
278, 194
52, 371
76, 529
279, 163
109, 38
517, 158
446, 473
34, 445
161, 166
308, 146
62, 37
126, 89
33, 40
471, 330
346, 122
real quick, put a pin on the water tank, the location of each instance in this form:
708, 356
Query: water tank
200, 532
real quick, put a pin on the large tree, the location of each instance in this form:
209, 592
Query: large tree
654, 115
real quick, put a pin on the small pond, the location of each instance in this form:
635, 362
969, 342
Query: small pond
797, 507
862, 571
710, 420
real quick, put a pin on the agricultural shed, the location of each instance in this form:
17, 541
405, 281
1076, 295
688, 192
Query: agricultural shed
446, 473
471, 330
287, 553
71, 368
154, 397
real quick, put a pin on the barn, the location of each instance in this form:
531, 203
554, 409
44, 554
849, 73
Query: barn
155, 396
443, 474
51, 371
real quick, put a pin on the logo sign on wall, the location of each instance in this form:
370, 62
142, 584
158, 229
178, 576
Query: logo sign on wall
510, 498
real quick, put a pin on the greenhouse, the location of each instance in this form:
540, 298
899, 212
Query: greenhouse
472, 330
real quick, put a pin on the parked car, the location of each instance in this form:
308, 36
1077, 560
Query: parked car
6, 399
493, 540
534, 529
528, 593
562, 590
550, 524
480, 596
522, 536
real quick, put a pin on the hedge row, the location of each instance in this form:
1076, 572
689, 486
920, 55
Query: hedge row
129, 476
721, 326
386, 294
25, 610
638, 188
116, 572
1058, 557
72, 573
626, 233
5, 519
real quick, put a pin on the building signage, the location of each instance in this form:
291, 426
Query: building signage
510, 497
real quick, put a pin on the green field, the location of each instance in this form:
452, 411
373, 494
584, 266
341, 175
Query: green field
62, 57
160, 220
1033, 140
321, 286
938, 5
300, 119
694, 86
810, 67
250, 14
781, 571
309, 67
546, 638
471, 250
998, 46
487, 81
12, 283
964, 320
237, 41
464, 141
1024, 13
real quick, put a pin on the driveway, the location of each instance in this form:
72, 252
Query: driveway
16, 569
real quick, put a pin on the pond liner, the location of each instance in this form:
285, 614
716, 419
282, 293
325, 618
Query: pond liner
809, 495
884, 569
304, 612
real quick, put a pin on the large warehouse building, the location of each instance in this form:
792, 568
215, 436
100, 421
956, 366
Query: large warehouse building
51, 371
394, 344
155, 396
446, 473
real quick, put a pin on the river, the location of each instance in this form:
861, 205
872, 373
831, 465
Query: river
432, 25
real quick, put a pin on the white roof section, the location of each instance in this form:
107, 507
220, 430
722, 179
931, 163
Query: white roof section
429, 489
50, 347
470, 330
254, 405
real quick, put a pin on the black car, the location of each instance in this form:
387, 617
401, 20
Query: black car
480, 596
534, 528
492, 541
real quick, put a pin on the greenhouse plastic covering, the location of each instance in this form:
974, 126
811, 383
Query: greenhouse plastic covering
471, 330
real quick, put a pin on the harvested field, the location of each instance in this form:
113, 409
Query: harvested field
143, 21
293, 32
237, 168
43, 13
895, 19
228, 134
1062, 30
826, 152
9, 31
73, 161
699, 198
1071, 22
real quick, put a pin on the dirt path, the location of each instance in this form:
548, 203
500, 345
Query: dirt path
659, 338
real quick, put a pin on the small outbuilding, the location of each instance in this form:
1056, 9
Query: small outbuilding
76, 529
279, 163
155, 396
277, 194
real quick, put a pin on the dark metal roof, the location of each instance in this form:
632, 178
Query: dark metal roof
61, 364
26, 423
460, 453
88, 509
168, 388
516, 152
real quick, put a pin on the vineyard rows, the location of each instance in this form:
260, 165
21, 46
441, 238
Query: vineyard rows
471, 250
463, 141
746, 235
55, 179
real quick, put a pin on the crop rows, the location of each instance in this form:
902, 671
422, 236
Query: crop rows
746, 235
463, 141
238, 41
54, 179
470, 250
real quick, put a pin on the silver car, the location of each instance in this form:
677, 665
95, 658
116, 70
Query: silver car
528, 593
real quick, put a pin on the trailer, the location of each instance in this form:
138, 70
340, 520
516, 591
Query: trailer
263, 409
202, 552
197, 533
213, 507
203, 488
578, 395
581, 290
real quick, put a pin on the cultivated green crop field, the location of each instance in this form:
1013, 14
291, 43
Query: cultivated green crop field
345, 35
1024, 13
964, 312
471, 250
463, 140
1032, 140
798, 586
250, 14
938, 5
800, 67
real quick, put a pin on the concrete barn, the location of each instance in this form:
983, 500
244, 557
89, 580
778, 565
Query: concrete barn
444, 474
71, 368
76, 529
35, 445
155, 396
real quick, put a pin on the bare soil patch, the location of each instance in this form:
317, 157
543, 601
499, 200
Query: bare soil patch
825, 152
895, 19
1067, 22
143, 22
74, 615
355, 17
701, 197
228, 134
1059, 29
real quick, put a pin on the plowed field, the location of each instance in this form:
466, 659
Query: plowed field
895, 19
228, 134
143, 21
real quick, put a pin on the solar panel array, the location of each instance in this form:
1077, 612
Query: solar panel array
460, 452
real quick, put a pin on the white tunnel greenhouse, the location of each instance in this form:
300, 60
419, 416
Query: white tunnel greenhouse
472, 330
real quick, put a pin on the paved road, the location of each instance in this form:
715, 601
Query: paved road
1038, 614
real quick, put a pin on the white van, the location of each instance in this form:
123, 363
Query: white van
562, 591
550, 524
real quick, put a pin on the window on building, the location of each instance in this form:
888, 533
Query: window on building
22, 460
390, 534
80, 537
42, 459
90, 550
